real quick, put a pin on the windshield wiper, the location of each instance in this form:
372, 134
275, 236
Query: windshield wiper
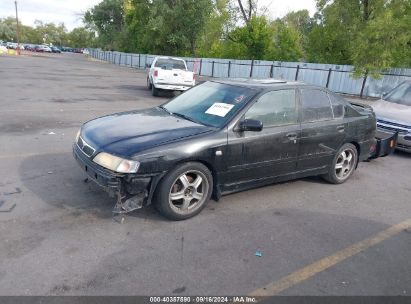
185, 117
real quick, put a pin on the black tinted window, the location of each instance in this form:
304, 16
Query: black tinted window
275, 108
169, 64
316, 105
337, 105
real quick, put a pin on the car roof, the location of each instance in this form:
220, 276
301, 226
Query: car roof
267, 83
167, 57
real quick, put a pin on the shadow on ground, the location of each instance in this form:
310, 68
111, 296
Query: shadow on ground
61, 183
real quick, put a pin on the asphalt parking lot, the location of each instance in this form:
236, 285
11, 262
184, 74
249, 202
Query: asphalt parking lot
60, 238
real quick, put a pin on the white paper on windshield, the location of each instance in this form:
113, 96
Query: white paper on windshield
219, 109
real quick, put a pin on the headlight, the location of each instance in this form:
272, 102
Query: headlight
115, 163
78, 135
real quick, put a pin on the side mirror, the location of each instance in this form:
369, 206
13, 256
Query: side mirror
383, 94
250, 125
148, 65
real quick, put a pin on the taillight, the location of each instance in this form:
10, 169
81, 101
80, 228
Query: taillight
155, 73
194, 76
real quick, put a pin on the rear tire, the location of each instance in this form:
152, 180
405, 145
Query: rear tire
148, 83
154, 91
343, 165
184, 191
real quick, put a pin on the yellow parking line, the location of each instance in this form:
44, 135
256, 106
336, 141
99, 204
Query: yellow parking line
311, 270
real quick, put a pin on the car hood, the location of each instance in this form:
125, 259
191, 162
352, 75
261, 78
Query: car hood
128, 133
392, 111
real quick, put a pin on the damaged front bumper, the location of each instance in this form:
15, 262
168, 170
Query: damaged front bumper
133, 191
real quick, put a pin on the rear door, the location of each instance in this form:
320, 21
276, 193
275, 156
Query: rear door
273, 151
322, 131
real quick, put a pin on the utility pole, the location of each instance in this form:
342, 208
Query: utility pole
17, 29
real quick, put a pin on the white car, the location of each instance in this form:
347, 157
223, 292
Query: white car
46, 49
393, 113
167, 73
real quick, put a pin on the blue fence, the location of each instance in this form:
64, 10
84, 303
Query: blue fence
337, 78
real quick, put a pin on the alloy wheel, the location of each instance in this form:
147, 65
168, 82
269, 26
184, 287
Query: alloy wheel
188, 192
345, 164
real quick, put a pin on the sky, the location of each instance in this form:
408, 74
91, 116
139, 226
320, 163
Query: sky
69, 12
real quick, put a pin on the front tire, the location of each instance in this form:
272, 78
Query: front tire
184, 192
343, 165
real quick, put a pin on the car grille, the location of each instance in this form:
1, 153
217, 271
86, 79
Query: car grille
85, 147
393, 126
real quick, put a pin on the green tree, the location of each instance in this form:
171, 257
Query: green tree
371, 35
80, 37
137, 14
299, 20
220, 22
8, 29
253, 38
167, 27
286, 44
49, 33
384, 41
107, 18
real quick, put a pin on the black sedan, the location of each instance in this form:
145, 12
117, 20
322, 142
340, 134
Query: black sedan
55, 49
221, 137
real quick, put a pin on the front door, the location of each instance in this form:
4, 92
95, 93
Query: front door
271, 152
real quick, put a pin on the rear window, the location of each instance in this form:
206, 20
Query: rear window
315, 105
337, 106
169, 64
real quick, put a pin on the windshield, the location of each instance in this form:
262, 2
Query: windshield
169, 64
401, 94
210, 103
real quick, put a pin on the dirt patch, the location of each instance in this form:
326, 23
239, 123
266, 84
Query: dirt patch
62, 100
18, 248
30, 125
92, 87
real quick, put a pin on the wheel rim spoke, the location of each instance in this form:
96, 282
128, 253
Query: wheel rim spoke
349, 157
344, 155
177, 195
184, 181
186, 203
197, 195
339, 166
197, 182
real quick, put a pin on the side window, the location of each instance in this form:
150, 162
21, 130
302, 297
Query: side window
315, 105
275, 108
337, 105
